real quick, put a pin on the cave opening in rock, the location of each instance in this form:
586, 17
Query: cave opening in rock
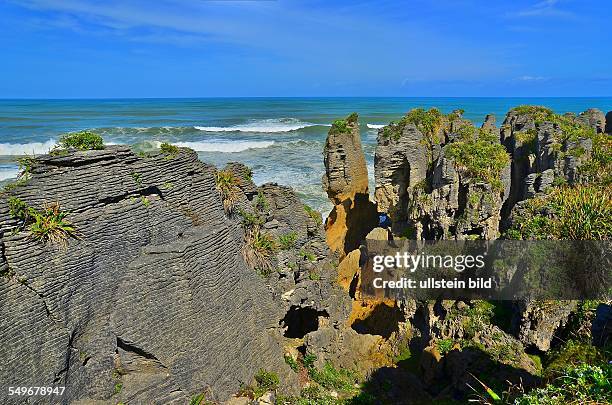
301, 320
383, 320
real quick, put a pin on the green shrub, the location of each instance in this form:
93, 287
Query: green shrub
444, 346
583, 212
572, 354
313, 275
477, 317
577, 213
137, 178
534, 111
264, 242
261, 202
598, 169
344, 125
480, 157
428, 122
309, 360
331, 378
287, 241
168, 149
18, 209
584, 384
291, 362
266, 381
528, 139
305, 254
25, 165
83, 140
48, 225
251, 220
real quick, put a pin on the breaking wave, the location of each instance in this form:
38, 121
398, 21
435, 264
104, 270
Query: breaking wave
226, 147
21, 149
264, 126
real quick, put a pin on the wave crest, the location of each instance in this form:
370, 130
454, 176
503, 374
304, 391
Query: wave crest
272, 125
376, 126
225, 147
21, 149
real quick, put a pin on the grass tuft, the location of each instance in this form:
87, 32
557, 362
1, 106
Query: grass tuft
227, 186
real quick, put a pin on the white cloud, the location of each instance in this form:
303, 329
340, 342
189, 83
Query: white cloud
528, 78
545, 8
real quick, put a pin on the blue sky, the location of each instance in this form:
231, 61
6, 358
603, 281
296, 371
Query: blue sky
204, 48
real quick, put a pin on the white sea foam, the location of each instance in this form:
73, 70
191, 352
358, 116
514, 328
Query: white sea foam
224, 146
20, 149
265, 126
8, 173
375, 126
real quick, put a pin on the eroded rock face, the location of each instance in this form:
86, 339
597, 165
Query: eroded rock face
153, 295
346, 183
425, 193
346, 173
399, 165
536, 322
595, 119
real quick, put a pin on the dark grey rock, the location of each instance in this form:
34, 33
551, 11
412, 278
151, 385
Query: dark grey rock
153, 295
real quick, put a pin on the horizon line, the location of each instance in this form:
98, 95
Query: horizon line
277, 97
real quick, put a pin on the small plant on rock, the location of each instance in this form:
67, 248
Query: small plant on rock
287, 241
258, 250
169, 150
314, 214
50, 225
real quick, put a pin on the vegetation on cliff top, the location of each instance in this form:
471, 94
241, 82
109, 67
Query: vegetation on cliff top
82, 140
480, 154
343, 126
169, 150
571, 128
428, 122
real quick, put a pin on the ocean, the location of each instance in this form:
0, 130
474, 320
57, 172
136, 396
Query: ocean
281, 139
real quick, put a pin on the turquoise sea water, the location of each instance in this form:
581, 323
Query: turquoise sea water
280, 138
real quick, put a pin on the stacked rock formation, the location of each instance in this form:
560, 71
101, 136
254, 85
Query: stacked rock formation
426, 192
151, 294
346, 183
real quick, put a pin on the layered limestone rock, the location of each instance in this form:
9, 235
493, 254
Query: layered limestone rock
346, 183
542, 150
152, 294
536, 322
425, 183
595, 119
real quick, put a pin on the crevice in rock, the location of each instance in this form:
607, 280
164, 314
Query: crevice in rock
128, 347
382, 321
42, 298
462, 199
299, 321
145, 192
